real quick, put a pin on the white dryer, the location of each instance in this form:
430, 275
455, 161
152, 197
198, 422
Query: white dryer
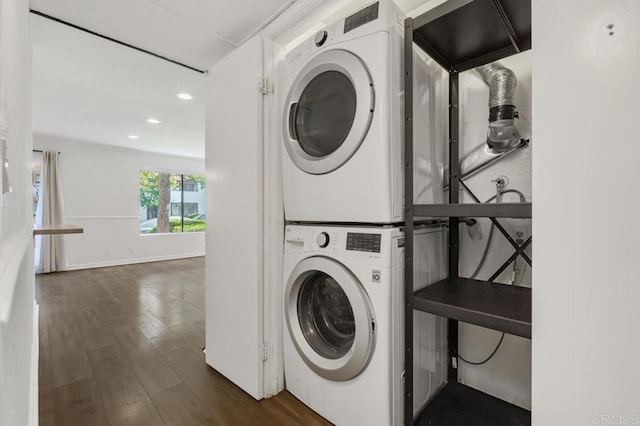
343, 122
343, 336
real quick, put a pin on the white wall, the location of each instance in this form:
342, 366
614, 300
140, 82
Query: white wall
508, 374
586, 292
18, 325
101, 191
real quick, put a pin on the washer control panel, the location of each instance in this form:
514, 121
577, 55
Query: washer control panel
364, 242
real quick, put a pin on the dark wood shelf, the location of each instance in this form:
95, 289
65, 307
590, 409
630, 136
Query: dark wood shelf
464, 34
497, 306
515, 210
457, 404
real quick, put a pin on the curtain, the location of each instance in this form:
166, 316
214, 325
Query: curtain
50, 252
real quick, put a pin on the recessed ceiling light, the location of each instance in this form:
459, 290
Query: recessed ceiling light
134, 137
185, 96
153, 121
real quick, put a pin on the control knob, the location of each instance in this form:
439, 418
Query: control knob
322, 239
320, 38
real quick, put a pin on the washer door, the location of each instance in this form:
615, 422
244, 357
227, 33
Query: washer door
328, 111
330, 319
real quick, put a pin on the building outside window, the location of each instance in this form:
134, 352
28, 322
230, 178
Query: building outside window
189, 185
171, 202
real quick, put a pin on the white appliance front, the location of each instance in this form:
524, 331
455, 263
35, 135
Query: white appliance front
343, 337
343, 122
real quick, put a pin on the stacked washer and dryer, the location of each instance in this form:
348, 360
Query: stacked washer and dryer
343, 163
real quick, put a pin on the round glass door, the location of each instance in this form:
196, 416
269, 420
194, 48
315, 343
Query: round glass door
330, 319
328, 111
325, 316
324, 114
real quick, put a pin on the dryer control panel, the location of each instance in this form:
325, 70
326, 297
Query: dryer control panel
368, 14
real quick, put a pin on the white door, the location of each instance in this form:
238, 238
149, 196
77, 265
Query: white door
234, 236
329, 318
328, 111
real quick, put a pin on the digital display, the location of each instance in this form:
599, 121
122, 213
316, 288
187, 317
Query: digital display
364, 242
360, 18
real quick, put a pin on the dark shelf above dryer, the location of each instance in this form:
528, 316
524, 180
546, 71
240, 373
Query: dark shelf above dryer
497, 306
463, 34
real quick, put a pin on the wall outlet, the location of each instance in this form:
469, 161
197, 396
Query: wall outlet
521, 233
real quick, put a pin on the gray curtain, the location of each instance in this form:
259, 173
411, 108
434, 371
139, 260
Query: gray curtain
50, 252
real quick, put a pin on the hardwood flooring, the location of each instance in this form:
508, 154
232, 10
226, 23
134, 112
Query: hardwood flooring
123, 346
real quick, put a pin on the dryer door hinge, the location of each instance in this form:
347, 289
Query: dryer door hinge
265, 352
265, 86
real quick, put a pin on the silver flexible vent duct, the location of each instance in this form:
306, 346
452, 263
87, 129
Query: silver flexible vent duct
502, 137
502, 134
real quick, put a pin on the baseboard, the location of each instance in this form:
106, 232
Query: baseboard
120, 262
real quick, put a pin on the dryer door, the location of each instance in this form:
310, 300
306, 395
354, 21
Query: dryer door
328, 111
330, 319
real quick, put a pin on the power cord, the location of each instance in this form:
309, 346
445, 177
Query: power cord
488, 358
483, 258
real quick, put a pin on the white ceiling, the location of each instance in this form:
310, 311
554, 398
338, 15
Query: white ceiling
194, 32
89, 89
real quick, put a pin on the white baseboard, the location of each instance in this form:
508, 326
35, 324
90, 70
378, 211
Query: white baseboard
120, 262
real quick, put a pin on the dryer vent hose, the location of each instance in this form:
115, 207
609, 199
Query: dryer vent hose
502, 135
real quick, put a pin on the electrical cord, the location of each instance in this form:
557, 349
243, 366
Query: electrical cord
483, 258
489, 357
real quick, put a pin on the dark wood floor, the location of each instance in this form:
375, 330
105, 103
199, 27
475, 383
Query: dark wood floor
123, 346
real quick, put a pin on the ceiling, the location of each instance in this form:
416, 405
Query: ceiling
194, 32
89, 89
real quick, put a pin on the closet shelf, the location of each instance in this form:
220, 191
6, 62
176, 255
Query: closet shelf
516, 210
497, 306
460, 35
463, 34
457, 404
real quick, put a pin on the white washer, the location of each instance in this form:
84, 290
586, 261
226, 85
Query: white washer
343, 336
343, 122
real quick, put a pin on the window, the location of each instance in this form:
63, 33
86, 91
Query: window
171, 203
190, 186
190, 209
36, 171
